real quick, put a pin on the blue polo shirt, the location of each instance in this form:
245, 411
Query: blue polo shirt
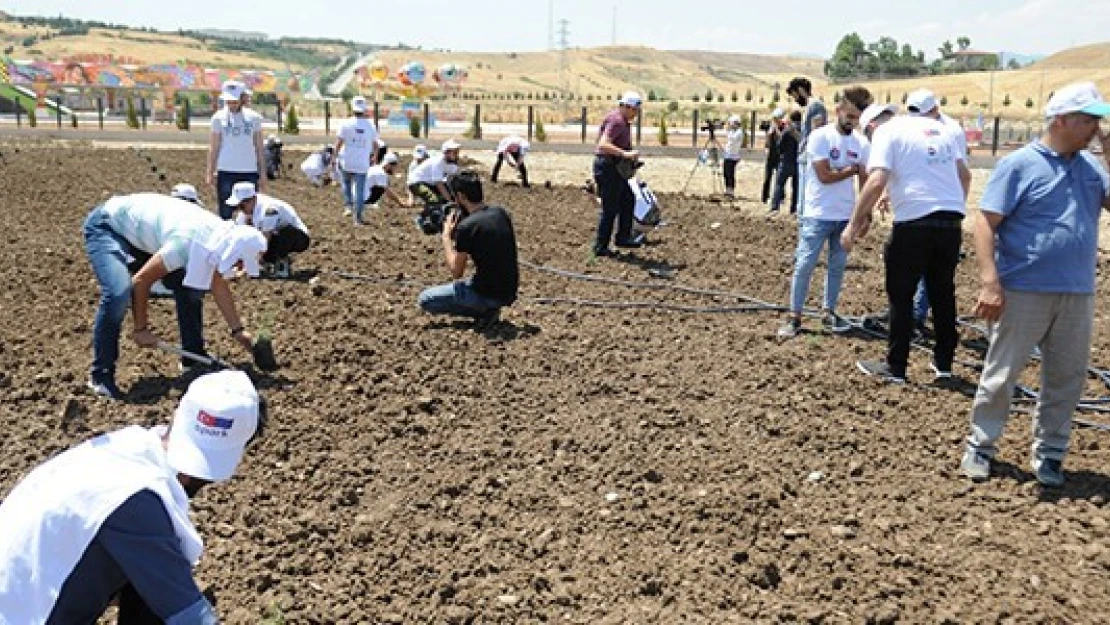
1050, 204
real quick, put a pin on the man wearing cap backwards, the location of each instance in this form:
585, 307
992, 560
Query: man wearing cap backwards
837, 159
192, 249
734, 140
428, 181
614, 145
771, 142
108, 520
284, 231
235, 151
801, 89
919, 163
1036, 242
377, 182
923, 103
484, 233
511, 149
356, 146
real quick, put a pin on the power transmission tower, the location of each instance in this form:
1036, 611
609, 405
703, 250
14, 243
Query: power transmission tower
564, 45
551, 25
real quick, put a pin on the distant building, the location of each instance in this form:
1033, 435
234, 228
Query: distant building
971, 60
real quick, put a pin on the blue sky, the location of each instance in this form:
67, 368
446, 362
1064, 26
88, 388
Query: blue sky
809, 27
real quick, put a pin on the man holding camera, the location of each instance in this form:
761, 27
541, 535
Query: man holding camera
614, 165
485, 233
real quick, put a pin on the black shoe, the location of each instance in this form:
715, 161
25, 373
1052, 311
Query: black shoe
104, 386
487, 319
604, 252
631, 243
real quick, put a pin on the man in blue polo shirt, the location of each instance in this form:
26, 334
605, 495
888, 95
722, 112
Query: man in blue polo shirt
1036, 241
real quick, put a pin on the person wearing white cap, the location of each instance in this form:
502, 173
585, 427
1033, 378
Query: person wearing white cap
919, 164
511, 149
187, 192
108, 520
317, 166
356, 150
734, 141
614, 164
419, 155
1036, 242
281, 225
191, 249
429, 180
837, 160
377, 182
235, 150
775, 128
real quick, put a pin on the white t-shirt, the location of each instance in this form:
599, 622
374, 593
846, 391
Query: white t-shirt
376, 177
921, 154
733, 140
433, 171
313, 166
835, 201
957, 132
237, 132
271, 214
512, 140
360, 140
160, 224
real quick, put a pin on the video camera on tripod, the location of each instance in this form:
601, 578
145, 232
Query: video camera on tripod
712, 126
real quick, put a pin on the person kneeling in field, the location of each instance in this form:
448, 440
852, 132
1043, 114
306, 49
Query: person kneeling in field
284, 231
377, 182
192, 249
318, 166
108, 521
484, 233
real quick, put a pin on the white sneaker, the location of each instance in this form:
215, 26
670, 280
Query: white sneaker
790, 329
347, 212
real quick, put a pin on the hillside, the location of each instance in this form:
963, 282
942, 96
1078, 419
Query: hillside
1094, 55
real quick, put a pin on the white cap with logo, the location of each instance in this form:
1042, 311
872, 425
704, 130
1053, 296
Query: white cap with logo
390, 159
450, 144
631, 98
874, 111
241, 191
1080, 97
420, 151
778, 114
186, 192
232, 91
215, 420
920, 102
358, 104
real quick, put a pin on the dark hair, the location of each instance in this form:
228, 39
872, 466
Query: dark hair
468, 184
796, 116
858, 97
800, 82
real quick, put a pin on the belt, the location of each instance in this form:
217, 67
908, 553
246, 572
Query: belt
932, 222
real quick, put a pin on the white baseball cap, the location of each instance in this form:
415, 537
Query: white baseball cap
185, 192
390, 159
631, 98
873, 111
241, 191
1080, 97
920, 102
215, 420
232, 91
358, 104
420, 150
450, 144
734, 119
778, 114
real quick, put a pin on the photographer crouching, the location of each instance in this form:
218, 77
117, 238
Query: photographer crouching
614, 165
474, 229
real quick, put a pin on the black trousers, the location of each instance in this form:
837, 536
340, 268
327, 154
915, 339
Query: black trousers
427, 193
285, 241
617, 203
520, 167
382, 151
929, 248
769, 169
730, 173
376, 194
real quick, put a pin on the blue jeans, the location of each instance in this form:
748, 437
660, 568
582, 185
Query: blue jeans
225, 180
920, 303
109, 255
812, 235
354, 192
457, 298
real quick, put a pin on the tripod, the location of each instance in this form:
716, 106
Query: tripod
709, 155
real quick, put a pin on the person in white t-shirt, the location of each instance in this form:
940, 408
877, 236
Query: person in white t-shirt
419, 155
318, 165
923, 103
919, 163
377, 182
285, 233
356, 146
235, 152
837, 158
429, 180
512, 149
734, 141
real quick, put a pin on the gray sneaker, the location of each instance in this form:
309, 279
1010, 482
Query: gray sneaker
976, 465
1049, 471
790, 329
835, 323
942, 374
879, 369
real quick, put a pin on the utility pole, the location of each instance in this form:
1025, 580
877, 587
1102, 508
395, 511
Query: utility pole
551, 25
564, 44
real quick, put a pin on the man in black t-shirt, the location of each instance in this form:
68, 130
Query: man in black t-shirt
484, 233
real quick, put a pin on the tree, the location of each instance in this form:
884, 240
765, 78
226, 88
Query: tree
651, 95
944, 100
1029, 103
672, 106
964, 101
721, 97
1013, 64
748, 95
32, 118
662, 130
1006, 100
708, 95
696, 98
735, 97
963, 42
847, 56
132, 118
292, 122
905, 96
775, 97
475, 130
541, 134
414, 127
945, 49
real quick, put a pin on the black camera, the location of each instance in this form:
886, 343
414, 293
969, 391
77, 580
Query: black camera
712, 125
434, 215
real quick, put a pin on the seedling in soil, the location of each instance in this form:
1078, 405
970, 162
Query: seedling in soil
263, 348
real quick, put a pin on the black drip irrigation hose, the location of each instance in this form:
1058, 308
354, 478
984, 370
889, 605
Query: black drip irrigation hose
859, 323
